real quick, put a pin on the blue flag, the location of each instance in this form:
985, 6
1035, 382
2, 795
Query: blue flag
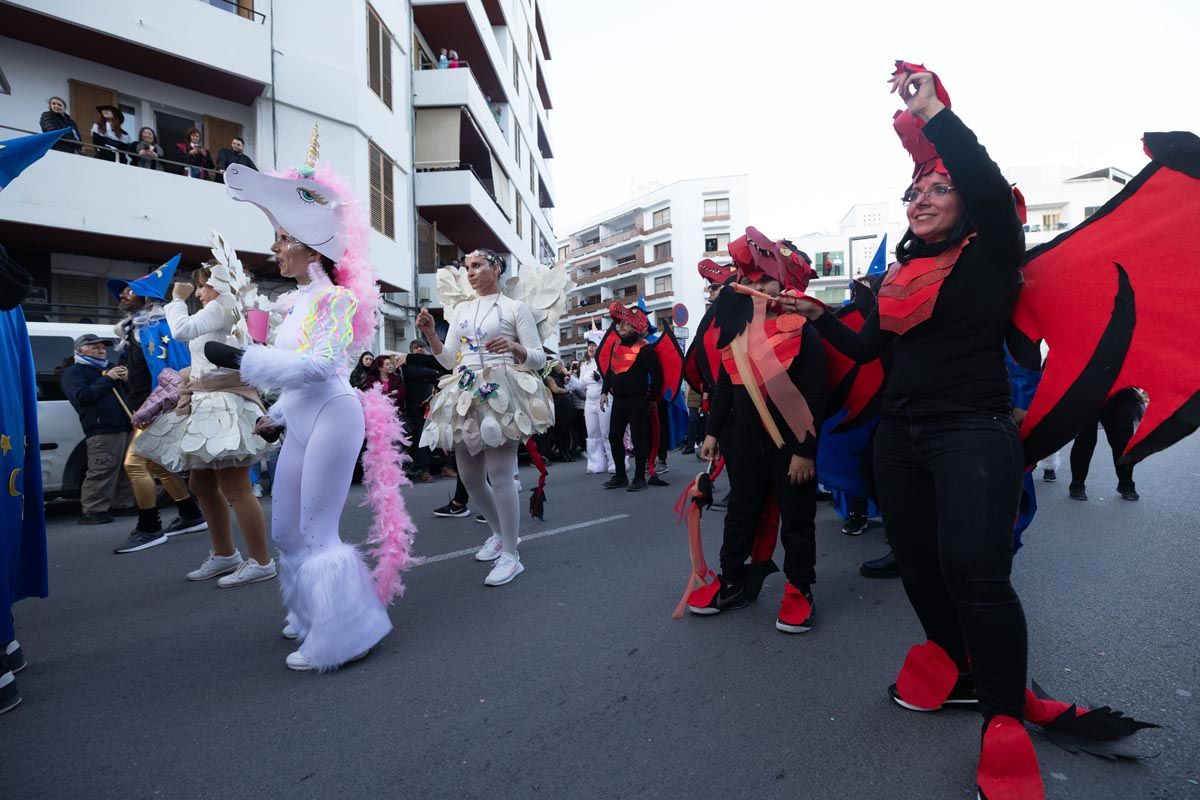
879, 262
17, 154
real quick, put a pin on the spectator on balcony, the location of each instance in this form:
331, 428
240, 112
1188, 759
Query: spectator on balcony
148, 150
195, 154
454, 62
108, 135
443, 60
56, 119
234, 154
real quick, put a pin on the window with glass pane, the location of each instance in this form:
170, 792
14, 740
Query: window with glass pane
662, 251
717, 208
716, 242
662, 284
830, 264
661, 217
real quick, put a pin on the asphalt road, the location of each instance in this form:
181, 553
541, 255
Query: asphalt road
574, 682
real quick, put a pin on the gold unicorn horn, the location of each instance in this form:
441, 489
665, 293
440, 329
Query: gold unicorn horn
314, 149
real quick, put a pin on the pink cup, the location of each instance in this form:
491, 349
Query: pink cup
256, 324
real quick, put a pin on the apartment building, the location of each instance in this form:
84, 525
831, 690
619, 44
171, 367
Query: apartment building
648, 248
265, 71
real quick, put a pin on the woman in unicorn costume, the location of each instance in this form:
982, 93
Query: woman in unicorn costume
599, 451
493, 399
334, 608
211, 433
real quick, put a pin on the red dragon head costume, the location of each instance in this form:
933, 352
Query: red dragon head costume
755, 256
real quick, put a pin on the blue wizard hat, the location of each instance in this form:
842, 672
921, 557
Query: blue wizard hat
153, 285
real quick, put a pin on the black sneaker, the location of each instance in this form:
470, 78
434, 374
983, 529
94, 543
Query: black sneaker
687, 451
95, 519
15, 657
855, 525
1077, 491
656, 481
180, 525
615, 483
481, 519
638, 485
10, 698
885, 567
730, 597
961, 696
1049, 476
141, 540
1128, 493
451, 510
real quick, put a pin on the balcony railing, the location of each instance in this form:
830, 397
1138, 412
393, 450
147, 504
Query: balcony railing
242, 8
621, 269
487, 185
124, 156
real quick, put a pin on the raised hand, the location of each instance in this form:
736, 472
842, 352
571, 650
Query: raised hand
919, 93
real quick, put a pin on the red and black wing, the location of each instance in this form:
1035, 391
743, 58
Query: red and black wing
604, 350
1116, 300
670, 359
856, 387
702, 363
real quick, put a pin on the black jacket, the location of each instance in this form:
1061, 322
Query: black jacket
138, 384
52, 122
225, 157
807, 372
421, 373
91, 395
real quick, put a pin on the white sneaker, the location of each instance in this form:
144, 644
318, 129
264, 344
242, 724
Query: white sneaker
215, 565
256, 490
290, 631
249, 571
507, 567
298, 662
491, 549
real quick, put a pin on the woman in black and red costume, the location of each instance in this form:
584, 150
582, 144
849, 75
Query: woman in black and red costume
948, 458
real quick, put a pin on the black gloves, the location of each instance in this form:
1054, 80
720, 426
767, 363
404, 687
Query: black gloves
222, 355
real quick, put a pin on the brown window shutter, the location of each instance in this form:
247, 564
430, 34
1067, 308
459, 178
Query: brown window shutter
389, 209
84, 99
385, 47
374, 57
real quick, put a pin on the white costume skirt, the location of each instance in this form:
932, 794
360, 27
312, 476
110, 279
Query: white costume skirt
486, 407
219, 433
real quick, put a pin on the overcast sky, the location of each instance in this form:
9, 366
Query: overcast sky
793, 92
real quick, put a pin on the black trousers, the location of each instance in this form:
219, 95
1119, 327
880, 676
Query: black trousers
761, 469
633, 412
949, 488
1119, 424
420, 455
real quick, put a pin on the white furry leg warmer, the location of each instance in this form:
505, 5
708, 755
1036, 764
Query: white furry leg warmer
333, 598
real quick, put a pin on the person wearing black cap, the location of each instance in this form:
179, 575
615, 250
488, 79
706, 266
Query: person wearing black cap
107, 131
91, 384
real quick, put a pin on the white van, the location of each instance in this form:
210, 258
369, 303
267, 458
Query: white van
64, 452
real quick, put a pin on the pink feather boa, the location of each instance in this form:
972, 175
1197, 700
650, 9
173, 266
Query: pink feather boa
392, 531
353, 271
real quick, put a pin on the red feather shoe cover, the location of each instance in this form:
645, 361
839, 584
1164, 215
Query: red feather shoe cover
926, 679
1008, 767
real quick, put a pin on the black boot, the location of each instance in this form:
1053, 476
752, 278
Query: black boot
885, 567
616, 482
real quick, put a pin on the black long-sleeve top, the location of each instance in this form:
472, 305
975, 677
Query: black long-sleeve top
421, 373
954, 361
807, 372
643, 378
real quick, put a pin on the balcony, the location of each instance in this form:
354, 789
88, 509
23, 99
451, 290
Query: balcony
466, 27
182, 42
622, 269
84, 205
465, 210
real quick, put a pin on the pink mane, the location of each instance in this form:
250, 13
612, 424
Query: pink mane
353, 270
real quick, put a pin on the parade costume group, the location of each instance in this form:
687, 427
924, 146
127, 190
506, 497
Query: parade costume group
914, 368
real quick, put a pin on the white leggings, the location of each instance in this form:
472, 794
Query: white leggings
497, 501
326, 587
600, 457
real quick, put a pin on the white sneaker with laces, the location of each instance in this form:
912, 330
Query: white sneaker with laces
508, 566
491, 549
249, 571
290, 631
298, 662
215, 565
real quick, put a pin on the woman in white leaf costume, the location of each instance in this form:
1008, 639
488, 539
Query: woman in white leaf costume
491, 401
211, 432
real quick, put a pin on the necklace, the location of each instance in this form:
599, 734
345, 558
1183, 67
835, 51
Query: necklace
478, 343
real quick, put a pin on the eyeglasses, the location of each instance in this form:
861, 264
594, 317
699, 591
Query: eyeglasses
937, 190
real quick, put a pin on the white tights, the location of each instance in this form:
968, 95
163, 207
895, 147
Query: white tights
498, 501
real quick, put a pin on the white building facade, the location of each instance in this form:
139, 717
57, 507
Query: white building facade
1057, 199
261, 70
649, 248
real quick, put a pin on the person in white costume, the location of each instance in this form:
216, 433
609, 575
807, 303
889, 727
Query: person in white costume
211, 433
493, 399
599, 451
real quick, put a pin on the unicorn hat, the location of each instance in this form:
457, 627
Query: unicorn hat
317, 207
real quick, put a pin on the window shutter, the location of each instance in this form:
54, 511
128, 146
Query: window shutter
385, 47
389, 210
376, 187
374, 56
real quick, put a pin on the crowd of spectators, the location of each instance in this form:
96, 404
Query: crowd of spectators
111, 142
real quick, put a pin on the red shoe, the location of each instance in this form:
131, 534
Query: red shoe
795, 611
1008, 766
